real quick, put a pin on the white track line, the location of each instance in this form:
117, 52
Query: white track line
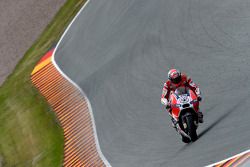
72, 82
240, 154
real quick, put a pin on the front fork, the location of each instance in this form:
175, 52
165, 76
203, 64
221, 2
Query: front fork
177, 127
181, 130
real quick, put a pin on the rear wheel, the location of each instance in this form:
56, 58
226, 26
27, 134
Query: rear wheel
191, 128
185, 139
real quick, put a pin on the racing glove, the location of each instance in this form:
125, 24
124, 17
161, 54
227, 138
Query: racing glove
164, 101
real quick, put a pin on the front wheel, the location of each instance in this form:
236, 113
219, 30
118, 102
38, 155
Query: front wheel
191, 128
185, 139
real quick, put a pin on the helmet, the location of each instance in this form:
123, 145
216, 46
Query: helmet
174, 76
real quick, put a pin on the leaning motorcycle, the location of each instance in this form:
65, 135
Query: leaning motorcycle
184, 109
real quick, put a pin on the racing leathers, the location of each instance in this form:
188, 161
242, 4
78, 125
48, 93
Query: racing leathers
185, 82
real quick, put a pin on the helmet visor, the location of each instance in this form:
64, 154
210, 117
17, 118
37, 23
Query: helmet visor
176, 80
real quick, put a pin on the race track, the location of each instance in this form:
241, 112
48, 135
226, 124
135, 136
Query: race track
119, 52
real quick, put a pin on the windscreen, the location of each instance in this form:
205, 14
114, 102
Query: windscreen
181, 90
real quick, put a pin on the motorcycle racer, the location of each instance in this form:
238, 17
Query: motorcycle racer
175, 80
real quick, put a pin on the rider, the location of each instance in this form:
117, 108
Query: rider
175, 80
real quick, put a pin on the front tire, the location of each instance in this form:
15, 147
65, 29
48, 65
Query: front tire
185, 139
191, 128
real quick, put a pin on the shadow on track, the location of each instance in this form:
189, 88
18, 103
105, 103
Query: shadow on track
203, 132
222, 117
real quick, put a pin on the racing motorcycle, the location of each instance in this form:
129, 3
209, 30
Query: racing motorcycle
184, 107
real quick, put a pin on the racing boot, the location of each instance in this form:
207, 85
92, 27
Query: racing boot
200, 117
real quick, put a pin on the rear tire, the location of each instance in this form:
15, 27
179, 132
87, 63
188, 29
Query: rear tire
191, 128
185, 139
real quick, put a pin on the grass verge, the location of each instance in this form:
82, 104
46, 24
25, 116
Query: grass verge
29, 132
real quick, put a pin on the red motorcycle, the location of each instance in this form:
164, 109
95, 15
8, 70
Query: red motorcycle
184, 109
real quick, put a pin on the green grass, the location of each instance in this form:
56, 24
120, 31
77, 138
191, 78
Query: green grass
29, 132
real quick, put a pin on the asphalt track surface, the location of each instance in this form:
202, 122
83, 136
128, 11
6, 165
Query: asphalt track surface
119, 52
